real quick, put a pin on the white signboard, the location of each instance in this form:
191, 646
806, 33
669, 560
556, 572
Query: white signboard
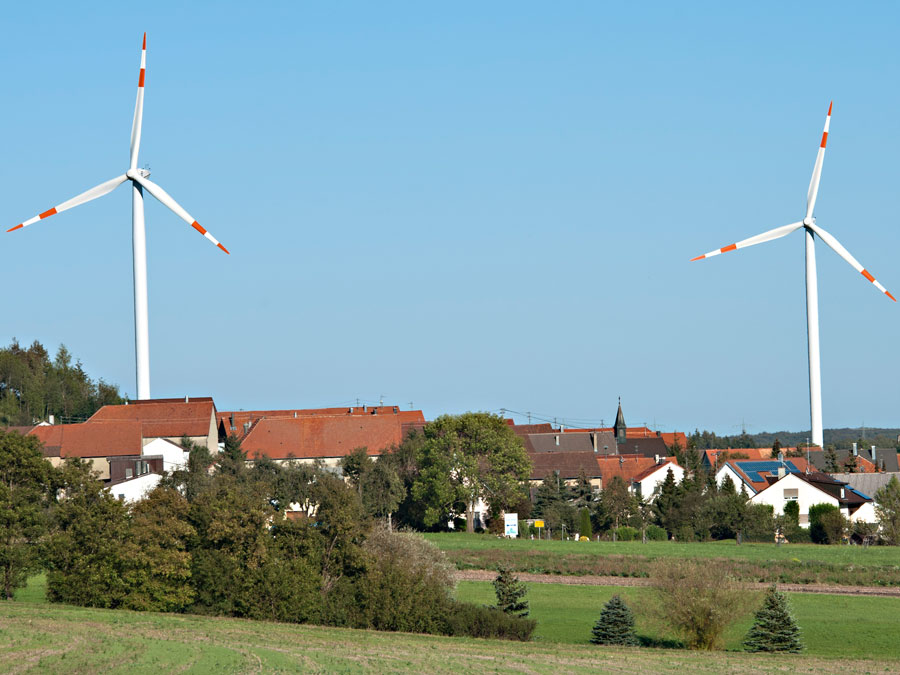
511, 521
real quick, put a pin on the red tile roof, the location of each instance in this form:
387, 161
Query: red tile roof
665, 464
799, 462
171, 418
237, 418
99, 439
624, 466
322, 436
668, 437
569, 463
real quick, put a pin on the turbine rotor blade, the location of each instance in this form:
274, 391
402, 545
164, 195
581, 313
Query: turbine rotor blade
777, 233
845, 254
138, 109
88, 195
813, 191
175, 207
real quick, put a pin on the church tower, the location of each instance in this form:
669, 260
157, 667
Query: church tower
619, 427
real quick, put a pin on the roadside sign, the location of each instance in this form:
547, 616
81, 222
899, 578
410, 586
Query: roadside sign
511, 523
539, 523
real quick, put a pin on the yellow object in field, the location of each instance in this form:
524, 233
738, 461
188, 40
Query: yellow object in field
539, 523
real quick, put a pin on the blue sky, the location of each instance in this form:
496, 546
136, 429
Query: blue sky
468, 207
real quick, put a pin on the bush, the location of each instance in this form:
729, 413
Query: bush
817, 527
615, 625
656, 533
465, 619
774, 629
625, 533
697, 602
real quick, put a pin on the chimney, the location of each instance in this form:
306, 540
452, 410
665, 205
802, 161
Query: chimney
52, 420
594, 441
187, 399
556, 438
364, 407
656, 459
855, 450
246, 427
842, 491
873, 448
231, 421
780, 472
396, 410
295, 414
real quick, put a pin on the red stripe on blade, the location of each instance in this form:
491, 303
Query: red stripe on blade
141, 79
887, 293
223, 248
19, 226
197, 226
144, 46
824, 138
699, 257
868, 276
47, 214
732, 247
829, 108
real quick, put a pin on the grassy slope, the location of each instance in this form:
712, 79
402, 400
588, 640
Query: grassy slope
38, 637
833, 626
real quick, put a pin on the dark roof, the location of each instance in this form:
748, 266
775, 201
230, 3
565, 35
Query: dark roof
885, 458
851, 497
867, 483
620, 418
648, 447
569, 464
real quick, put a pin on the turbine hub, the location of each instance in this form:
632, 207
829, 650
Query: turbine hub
143, 173
808, 221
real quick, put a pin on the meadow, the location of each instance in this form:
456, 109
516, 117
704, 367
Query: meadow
833, 626
765, 562
36, 636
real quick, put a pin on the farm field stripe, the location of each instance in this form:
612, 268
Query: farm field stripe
589, 580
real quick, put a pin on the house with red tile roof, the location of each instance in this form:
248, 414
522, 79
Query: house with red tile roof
240, 422
171, 419
757, 475
646, 483
327, 438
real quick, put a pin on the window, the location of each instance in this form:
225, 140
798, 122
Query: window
129, 473
791, 494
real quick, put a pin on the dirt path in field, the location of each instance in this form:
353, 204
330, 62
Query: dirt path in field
488, 575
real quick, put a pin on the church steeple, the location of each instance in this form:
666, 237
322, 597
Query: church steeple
619, 427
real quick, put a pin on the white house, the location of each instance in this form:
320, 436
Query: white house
816, 488
135, 489
646, 483
173, 455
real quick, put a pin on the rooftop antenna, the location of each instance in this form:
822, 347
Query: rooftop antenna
411, 406
381, 400
529, 417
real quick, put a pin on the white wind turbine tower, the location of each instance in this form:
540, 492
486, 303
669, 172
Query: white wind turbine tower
140, 181
812, 297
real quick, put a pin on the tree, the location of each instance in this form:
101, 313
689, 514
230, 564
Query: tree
774, 628
776, 449
584, 526
510, 593
466, 458
232, 460
825, 528
157, 570
354, 465
667, 503
831, 460
615, 625
26, 482
887, 507
84, 555
382, 490
616, 501
697, 603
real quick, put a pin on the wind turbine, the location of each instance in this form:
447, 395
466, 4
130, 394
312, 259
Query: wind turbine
812, 295
140, 181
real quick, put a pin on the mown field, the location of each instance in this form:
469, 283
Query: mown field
789, 563
833, 626
36, 637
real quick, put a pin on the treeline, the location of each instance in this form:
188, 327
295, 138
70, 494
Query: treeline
215, 539
834, 438
33, 386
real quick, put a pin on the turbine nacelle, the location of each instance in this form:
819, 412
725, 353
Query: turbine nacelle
809, 221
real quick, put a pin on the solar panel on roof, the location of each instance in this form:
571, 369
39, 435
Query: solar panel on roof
755, 469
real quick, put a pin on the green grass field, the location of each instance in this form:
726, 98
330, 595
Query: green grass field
790, 563
37, 637
833, 626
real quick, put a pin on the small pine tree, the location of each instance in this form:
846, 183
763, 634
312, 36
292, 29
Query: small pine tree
615, 625
774, 629
510, 592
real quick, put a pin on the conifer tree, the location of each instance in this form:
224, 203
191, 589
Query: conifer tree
510, 592
615, 625
584, 528
774, 629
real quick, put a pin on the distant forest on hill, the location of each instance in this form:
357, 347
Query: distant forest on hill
837, 438
33, 386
